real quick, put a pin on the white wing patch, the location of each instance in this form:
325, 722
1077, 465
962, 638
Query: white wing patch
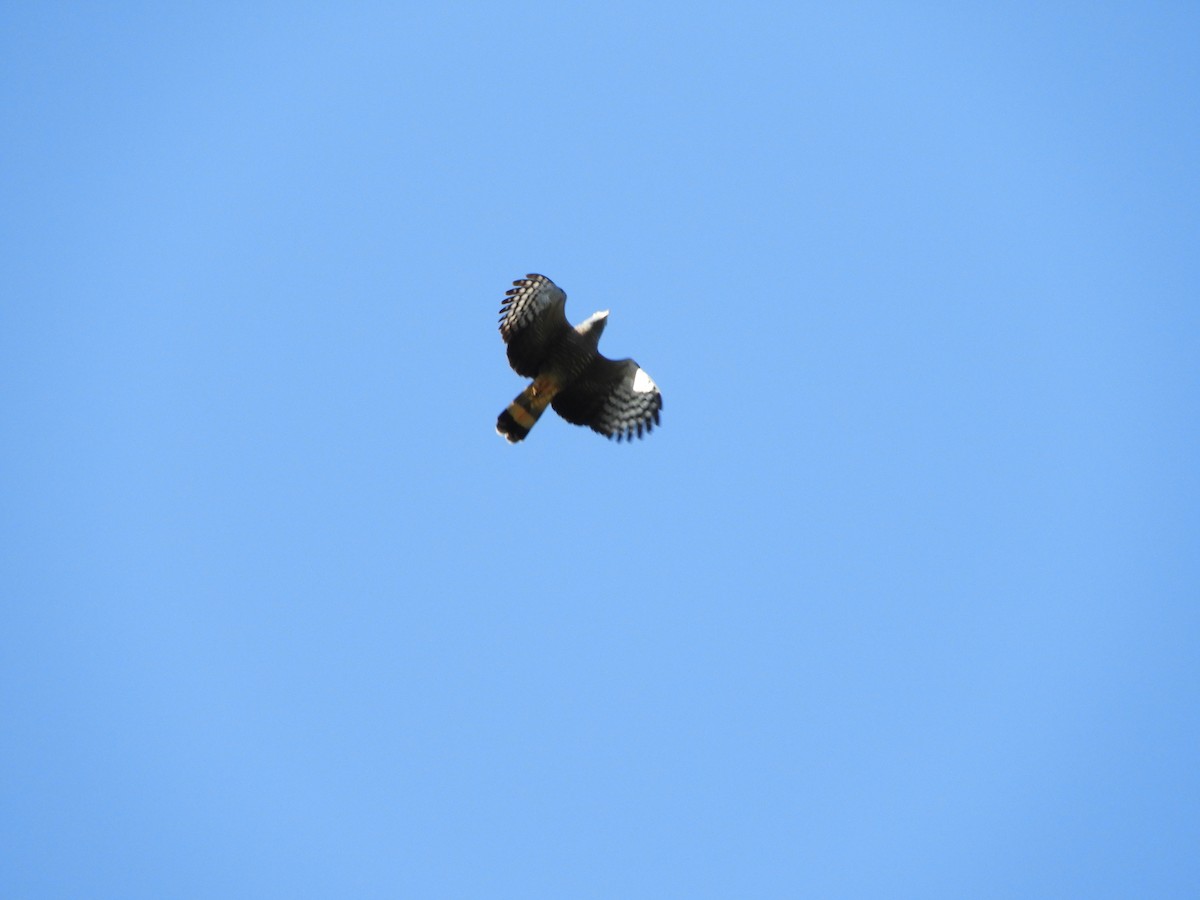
642, 383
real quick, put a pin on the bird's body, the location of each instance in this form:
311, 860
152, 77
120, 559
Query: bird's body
615, 398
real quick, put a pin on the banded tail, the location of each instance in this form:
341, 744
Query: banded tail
522, 414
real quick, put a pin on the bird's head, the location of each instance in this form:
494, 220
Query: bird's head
593, 326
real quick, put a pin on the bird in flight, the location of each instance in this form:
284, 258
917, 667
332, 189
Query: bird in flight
613, 397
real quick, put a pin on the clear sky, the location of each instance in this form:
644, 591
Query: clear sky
901, 600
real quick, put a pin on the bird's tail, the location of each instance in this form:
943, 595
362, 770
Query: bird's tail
521, 415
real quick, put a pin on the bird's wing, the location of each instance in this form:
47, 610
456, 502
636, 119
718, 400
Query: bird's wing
531, 321
614, 397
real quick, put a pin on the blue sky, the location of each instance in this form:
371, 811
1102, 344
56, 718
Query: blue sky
900, 601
